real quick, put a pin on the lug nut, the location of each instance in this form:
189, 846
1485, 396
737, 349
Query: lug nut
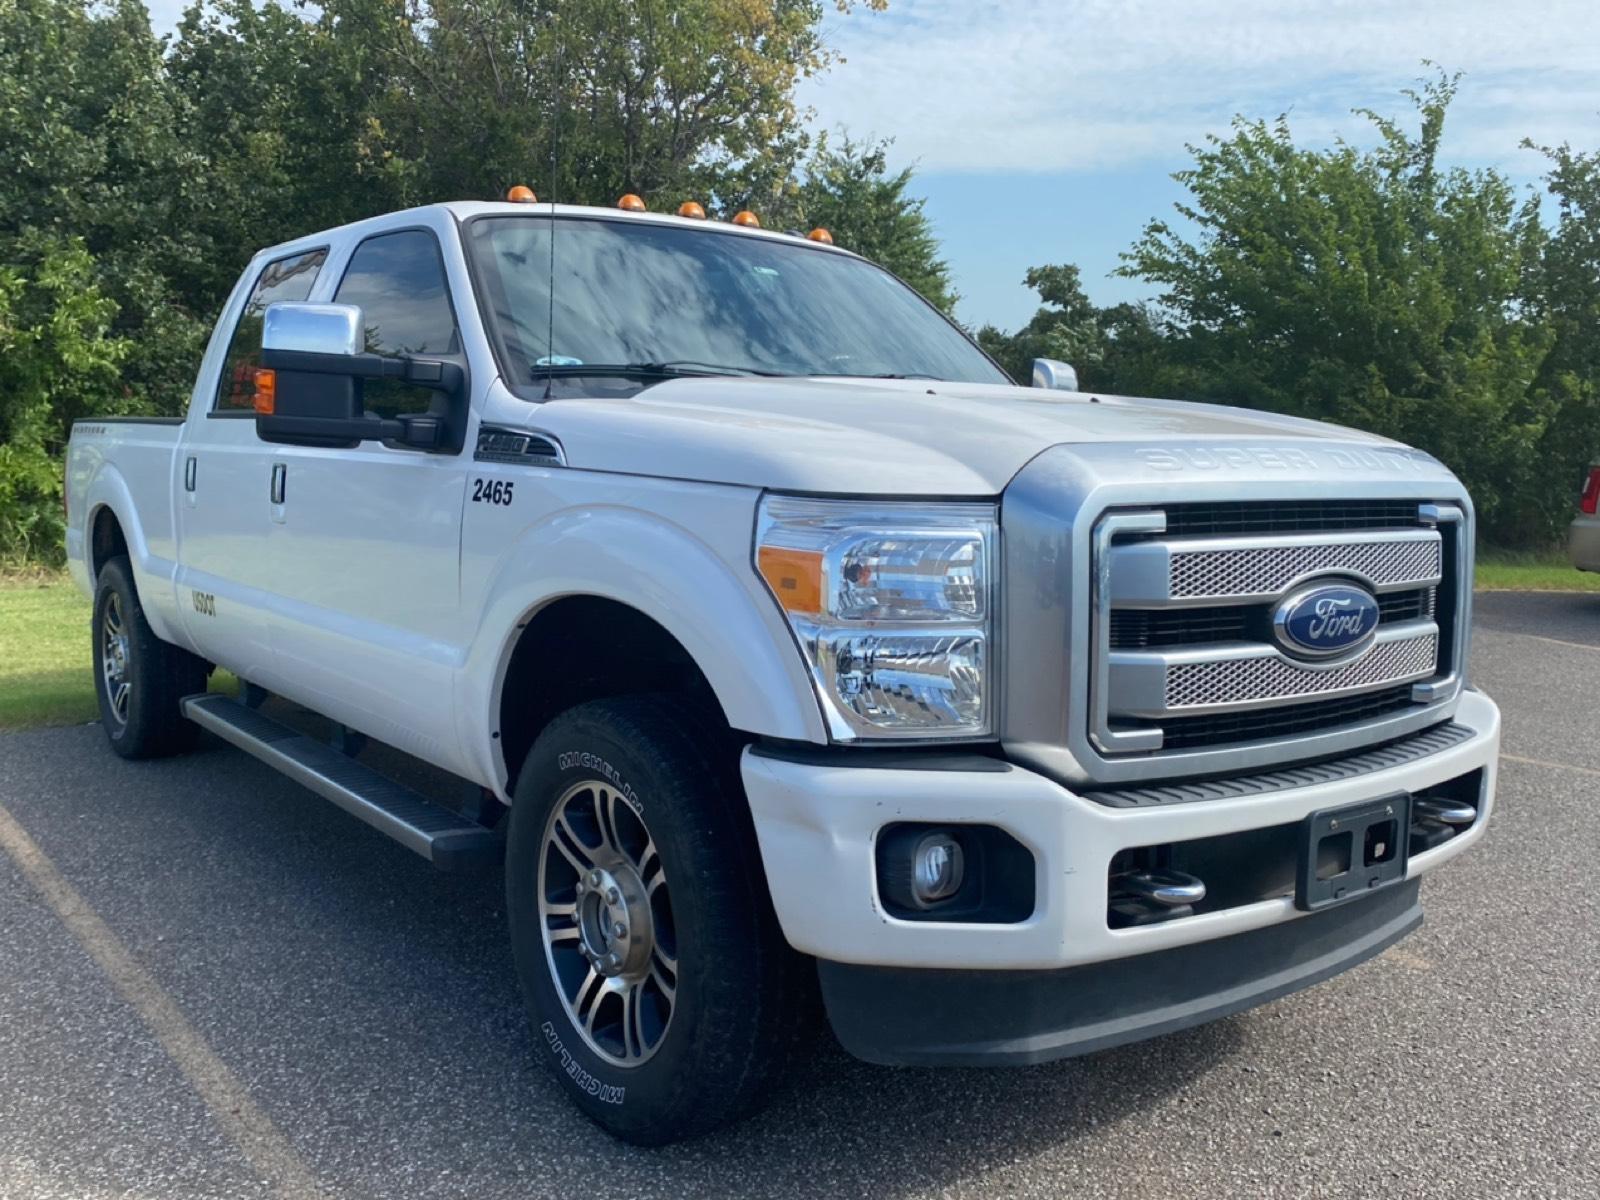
619, 930
613, 895
580, 888
594, 878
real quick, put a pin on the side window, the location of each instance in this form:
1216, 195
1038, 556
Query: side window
282, 279
398, 280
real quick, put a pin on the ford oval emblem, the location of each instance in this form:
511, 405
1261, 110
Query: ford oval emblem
1324, 620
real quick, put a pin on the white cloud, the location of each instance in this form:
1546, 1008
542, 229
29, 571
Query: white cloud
1096, 84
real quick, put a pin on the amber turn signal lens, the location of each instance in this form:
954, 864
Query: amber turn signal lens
691, 209
747, 218
266, 401
795, 577
521, 194
821, 235
631, 203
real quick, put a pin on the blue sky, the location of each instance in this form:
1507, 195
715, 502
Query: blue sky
1047, 130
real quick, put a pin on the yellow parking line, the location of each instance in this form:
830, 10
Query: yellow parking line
267, 1150
1545, 762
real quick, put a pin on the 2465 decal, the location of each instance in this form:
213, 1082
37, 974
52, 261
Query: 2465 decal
492, 491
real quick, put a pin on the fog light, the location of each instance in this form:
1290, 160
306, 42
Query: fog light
937, 868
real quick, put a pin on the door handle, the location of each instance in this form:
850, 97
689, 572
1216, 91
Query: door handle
280, 474
188, 474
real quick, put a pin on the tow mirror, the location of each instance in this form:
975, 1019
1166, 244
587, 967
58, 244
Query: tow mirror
318, 365
323, 329
1054, 374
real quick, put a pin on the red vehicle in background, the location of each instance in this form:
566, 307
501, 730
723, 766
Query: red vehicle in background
1584, 539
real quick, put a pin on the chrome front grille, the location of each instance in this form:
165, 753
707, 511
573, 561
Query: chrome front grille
1181, 626
1239, 682
1269, 569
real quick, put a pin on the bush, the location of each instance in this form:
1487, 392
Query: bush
58, 361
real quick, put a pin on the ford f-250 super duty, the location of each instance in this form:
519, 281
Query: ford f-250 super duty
780, 639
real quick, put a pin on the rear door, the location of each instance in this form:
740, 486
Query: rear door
222, 477
365, 541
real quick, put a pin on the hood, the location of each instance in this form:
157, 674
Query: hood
899, 437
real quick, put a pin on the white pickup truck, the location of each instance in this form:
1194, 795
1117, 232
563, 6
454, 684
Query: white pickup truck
781, 640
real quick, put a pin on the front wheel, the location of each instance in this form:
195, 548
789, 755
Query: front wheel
659, 985
139, 679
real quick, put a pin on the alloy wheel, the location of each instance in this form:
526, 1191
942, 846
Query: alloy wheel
605, 915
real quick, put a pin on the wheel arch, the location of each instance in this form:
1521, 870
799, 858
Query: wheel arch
589, 648
569, 597
106, 538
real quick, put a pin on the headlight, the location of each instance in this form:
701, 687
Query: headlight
892, 605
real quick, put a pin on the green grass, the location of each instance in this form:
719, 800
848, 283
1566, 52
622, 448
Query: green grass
46, 667
44, 653
1548, 572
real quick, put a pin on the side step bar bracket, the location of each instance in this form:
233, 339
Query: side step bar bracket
445, 838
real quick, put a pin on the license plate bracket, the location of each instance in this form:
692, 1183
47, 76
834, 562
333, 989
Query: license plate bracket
1350, 851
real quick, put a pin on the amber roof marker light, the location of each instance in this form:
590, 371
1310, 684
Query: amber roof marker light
746, 217
820, 234
691, 208
631, 203
521, 194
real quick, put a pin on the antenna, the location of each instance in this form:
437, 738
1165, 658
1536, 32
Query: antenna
555, 115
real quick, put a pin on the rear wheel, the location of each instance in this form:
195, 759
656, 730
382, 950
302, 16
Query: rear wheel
139, 679
659, 984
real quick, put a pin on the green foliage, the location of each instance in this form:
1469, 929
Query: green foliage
1116, 349
141, 176
1067, 327
1564, 298
57, 361
1371, 288
850, 191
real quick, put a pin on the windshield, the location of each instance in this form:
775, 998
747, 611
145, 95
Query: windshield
666, 300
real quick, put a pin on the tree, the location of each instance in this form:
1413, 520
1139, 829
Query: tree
586, 99
1564, 297
95, 153
58, 360
142, 175
1372, 288
1066, 327
1118, 349
850, 191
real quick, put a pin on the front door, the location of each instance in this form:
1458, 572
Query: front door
364, 543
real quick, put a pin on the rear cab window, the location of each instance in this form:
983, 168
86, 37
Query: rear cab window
288, 278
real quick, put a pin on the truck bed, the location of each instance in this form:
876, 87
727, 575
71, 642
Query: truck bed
130, 457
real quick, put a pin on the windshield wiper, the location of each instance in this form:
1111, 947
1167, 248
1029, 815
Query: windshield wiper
873, 375
676, 368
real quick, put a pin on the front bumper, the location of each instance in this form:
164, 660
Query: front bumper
817, 824
905, 1017
1583, 543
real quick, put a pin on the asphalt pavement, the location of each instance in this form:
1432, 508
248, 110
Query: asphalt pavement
213, 984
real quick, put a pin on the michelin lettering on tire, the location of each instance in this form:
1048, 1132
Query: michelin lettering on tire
604, 1092
593, 762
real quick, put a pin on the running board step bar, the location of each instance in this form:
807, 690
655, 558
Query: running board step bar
446, 839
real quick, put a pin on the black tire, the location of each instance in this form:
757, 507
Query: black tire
738, 1007
142, 721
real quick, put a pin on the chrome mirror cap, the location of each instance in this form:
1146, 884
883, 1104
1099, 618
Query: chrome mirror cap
313, 328
1054, 374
